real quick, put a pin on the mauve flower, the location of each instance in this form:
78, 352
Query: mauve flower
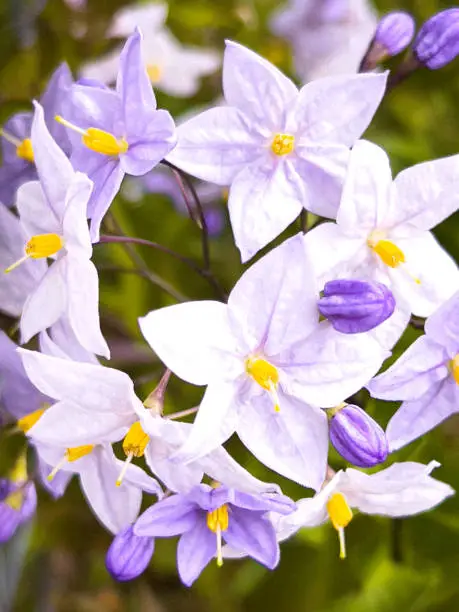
18, 165
355, 306
205, 516
117, 132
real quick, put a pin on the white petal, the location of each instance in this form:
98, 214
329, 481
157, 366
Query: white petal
428, 262
92, 387
292, 442
215, 422
256, 87
75, 226
83, 305
193, 340
216, 145
367, 191
265, 197
338, 109
426, 194
402, 489
47, 303
390, 332
37, 216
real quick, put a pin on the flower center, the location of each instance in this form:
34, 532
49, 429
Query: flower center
27, 422
155, 72
97, 140
38, 247
24, 150
283, 144
71, 455
266, 375
340, 516
217, 522
134, 445
454, 367
389, 253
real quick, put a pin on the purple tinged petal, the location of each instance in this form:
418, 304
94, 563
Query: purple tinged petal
354, 306
437, 42
194, 551
171, 516
253, 534
9, 522
263, 502
107, 183
129, 555
443, 326
357, 437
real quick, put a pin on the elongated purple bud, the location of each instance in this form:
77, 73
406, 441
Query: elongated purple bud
437, 42
354, 306
357, 437
129, 555
393, 34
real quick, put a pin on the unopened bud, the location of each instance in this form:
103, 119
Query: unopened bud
155, 401
129, 555
354, 306
357, 437
437, 42
393, 34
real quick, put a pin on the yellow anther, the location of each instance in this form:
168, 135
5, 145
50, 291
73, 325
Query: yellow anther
454, 366
217, 522
340, 516
155, 72
29, 421
218, 519
25, 151
18, 475
283, 144
389, 253
104, 142
77, 452
266, 375
136, 440
42, 245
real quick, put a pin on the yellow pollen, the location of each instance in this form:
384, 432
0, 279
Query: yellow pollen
155, 72
454, 366
340, 516
77, 452
217, 522
389, 253
283, 144
29, 421
18, 475
104, 142
42, 245
97, 140
25, 151
266, 375
136, 440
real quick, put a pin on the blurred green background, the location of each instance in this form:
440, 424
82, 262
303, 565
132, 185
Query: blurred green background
57, 563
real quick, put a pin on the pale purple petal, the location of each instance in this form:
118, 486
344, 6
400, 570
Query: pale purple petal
169, 517
129, 555
443, 325
36, 215
194, 551
75, 226
250, 532
107, 182
264, 199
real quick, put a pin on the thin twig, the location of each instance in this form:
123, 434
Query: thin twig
149, 276
180, 181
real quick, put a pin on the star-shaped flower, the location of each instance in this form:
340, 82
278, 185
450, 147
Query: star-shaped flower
264, 357
205, 516
117, 132
280, 149
18, 165
382, 230
425, 378
53, 214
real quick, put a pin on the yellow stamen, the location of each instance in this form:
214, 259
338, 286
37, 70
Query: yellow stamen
134, 445
25, 150
10, 138
40, 246
266, 375
217, 522
454, 366
283, 144
97, 140
155, 72
389, 253
29, 421
19, 476
340, 516
71, 454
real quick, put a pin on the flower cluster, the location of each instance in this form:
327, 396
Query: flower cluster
305, 329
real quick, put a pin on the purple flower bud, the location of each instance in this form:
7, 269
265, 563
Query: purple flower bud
129, 555
357, 437
394, 33
437, 42
17, 506
354, 306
